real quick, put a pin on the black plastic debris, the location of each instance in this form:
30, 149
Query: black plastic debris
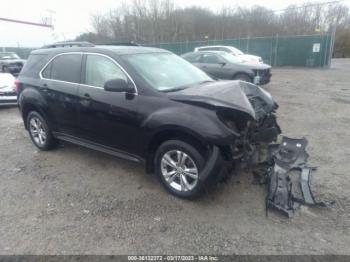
289, 155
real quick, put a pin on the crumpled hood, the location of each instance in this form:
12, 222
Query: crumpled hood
237, 95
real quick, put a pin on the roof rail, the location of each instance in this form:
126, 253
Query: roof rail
69, 44
132, 43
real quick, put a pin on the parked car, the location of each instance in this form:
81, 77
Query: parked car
10, 62
8, 95
233, 51
222, 65
147, 105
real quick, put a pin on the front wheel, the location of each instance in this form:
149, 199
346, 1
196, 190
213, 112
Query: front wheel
178, 165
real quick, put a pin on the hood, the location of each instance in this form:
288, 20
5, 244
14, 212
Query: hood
7, 82
236, 95
251, 58
256, 66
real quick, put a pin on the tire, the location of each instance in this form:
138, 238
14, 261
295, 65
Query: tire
243, 77
181, 183
40, 132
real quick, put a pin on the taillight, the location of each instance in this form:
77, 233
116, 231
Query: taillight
18, 85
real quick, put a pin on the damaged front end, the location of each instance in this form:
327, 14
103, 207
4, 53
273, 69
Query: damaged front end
256, 130
244, 108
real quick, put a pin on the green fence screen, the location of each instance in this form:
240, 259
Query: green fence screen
311, 51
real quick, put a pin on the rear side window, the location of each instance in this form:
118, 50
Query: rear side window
208, 49
33, 65
193, 58
66, 67
224, 49
210, 59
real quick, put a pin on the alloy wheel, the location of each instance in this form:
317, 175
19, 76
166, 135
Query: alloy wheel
37, 130
179, 170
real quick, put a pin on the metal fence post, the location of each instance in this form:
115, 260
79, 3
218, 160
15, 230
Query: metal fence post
276, 51
331, 49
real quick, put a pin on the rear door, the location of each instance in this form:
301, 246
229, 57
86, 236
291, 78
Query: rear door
59, 84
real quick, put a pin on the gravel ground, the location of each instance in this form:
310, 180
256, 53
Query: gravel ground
76, 201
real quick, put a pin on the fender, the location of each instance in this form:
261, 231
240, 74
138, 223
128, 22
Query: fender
30, 97
202, 124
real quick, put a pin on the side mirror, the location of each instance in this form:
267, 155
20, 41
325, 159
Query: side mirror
222, 63
118, 85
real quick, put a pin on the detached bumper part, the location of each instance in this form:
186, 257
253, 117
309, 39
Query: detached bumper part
305, 186
289, 155
280, 194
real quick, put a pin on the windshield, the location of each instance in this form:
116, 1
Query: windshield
5, 56
166, 72
236, 51
232, 59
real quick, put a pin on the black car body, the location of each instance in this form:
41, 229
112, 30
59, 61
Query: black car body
222, 65
11, 63
140, 109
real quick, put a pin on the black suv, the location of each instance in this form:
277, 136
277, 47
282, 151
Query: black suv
147, 105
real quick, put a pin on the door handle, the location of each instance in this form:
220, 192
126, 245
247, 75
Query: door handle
86, 96
85, 100
45, 88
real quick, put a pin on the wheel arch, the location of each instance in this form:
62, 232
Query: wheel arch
243, 73
29, 107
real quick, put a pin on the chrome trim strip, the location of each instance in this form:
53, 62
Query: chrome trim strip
87, 53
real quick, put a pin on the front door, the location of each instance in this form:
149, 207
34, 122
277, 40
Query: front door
213, 65
107, 118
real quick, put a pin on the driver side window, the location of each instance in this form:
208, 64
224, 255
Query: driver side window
100, 69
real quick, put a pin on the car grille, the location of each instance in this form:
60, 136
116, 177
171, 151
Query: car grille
264, 72
19, 64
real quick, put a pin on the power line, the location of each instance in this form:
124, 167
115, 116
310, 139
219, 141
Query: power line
308, 5
24, 22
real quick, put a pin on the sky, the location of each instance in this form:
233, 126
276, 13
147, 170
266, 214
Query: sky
72, 17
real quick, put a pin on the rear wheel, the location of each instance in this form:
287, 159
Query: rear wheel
178, 165
243, 77
39, 131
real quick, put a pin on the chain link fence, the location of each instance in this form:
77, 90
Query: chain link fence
306, 50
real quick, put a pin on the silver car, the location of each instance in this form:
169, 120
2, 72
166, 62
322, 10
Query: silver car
233, 51
8, 95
